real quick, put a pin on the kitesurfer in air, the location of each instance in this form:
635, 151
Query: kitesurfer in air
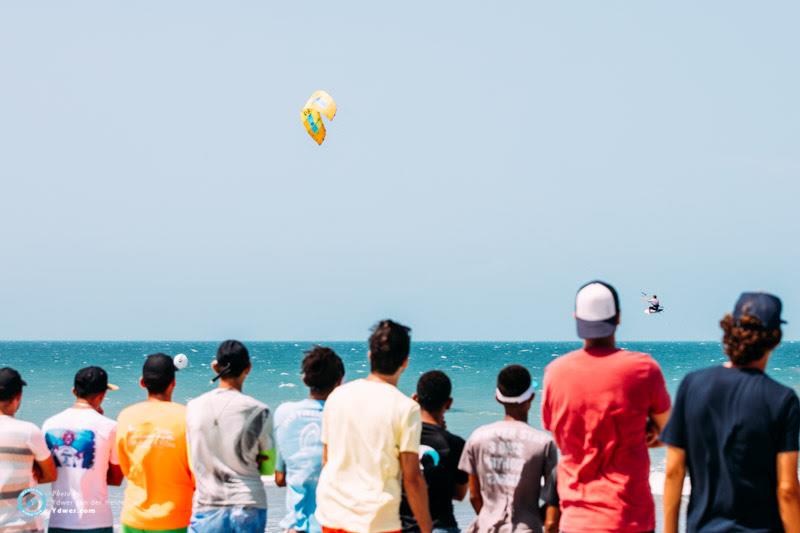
655, 305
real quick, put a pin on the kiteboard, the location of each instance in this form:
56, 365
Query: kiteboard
650, 311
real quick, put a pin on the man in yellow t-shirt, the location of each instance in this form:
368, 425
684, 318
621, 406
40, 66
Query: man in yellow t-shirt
371, 437
151, 441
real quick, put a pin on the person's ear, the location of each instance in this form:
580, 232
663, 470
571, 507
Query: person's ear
215, 366
616, 322
248, 369
415, 397
74, 392
141, 383
405, 363
369, 355
448, 404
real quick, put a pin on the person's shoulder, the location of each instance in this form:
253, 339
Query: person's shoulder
55, 420
252, 403
484, 430
453, 439
23, 426
131, 410
779, 390
199, 402
566, 359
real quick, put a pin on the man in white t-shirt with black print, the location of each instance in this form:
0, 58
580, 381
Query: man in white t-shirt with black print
24, 462
82, 442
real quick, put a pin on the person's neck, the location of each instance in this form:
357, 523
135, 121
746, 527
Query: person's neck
384, 378
230, 384
6, 409
760, 364
82, 403
516, 415
608, 343
436, 419
159, 397
319, 396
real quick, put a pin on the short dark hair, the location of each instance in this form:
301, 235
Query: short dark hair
433, 390
389, 346
514, 380
11, 384
158, 372
232, 359
745, 340
322, 369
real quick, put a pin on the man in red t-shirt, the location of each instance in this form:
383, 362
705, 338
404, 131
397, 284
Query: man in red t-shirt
604, 406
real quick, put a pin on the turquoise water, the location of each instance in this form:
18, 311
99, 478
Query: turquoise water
49, 367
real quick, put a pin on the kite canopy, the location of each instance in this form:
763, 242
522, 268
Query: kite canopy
320, 103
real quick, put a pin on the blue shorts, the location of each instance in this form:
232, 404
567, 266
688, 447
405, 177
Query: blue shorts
229, 519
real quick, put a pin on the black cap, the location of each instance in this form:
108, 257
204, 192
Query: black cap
761, 305
232, 359
11, 383
158, 372
92, 380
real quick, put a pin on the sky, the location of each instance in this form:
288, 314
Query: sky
487, 158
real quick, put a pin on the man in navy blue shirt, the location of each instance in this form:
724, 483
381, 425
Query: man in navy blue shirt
737, 430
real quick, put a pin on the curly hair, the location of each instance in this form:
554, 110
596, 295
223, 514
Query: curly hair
322, 369
389, 346
745, 340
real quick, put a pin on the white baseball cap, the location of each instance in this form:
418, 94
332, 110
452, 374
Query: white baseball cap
596, 310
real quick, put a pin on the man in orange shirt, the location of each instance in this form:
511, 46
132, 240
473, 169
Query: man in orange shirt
151, 441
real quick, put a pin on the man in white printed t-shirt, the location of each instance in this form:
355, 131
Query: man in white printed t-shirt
82, 442
508, 462
24, 461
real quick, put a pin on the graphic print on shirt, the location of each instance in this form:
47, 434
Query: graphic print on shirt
72, 448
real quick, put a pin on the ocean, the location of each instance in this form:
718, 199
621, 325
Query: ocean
49, 367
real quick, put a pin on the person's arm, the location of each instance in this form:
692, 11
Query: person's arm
475, 493
324, 454
45, 470
673, 487
655, 425
280, 478
460, 491
788, 491
416, 490
552, 518
44, 467
114, 476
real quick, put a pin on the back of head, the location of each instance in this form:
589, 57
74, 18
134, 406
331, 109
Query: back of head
389, 346
158, 373
433, 390
91, 381
232, 359
753, 329
322, 370
11, 384
596, 310
514, 385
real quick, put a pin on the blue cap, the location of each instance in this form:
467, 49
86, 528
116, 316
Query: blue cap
761, 305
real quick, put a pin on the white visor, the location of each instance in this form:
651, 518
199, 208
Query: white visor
522, 398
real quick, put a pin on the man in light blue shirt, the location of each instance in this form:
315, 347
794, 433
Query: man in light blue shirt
298, 428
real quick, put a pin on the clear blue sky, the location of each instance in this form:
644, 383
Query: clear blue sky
487, 158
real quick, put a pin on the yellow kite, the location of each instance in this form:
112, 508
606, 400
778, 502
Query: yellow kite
319, 104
